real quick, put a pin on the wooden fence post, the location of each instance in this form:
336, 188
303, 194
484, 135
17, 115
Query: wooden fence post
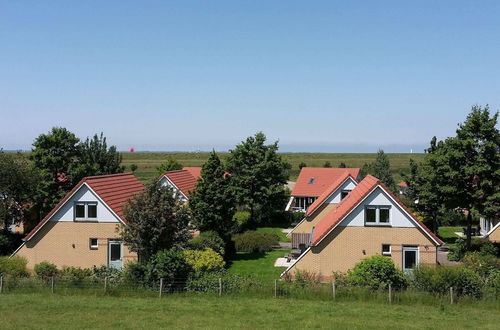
390, 293
275, 288
105, 284
1, 284
451, 295
52, 284
334, 293
220, 286
161, 286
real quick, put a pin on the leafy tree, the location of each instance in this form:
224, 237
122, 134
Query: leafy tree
57, 157
258, 176
156, 220
170, 165
301, 165
97, 159
133, 167
342, 165
381, 169
212, 204
327, 164
17, 184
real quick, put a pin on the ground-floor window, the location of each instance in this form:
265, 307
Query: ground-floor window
93, 243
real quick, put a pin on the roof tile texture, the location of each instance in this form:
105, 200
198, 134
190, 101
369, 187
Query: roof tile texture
323, 178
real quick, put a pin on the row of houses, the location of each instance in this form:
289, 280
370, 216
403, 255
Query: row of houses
347, 218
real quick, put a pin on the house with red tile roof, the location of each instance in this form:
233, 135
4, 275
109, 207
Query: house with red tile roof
81, 230
369, 220
312, 182
182, 181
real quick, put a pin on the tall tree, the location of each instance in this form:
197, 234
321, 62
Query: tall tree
212, 203
342, 165
57, 156
156, 220
258, 176
97, 159
381, 168
327, 164
169, 165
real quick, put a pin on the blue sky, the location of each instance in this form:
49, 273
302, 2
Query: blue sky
333, 76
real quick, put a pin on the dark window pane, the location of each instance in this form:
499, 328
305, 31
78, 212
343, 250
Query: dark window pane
370, 215
410, 259
115, 252
93, 243
386, 248
384, 215
80, 211
344, 194
92, 210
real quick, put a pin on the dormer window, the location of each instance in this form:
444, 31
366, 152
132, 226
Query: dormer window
311, 180
344, 193
85, 211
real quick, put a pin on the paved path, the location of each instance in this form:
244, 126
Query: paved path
442, 257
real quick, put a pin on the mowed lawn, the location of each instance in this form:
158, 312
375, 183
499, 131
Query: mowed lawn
37, 311
258, 265
447, 234
148, 161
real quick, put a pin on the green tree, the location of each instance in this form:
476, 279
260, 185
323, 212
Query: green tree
17, 184
381, 169
133, 167
342, 165
56, 155
156, 220
301, 165
212, 204
97, 159
169, 165
258, 176
327, 164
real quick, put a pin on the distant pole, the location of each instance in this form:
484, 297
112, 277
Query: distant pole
275, 288
52, 284
106, 284
161, 286
451, 295
333, 290
390, 293
1, 284
220, 286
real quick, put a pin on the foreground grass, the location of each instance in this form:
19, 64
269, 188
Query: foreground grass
259, 265
36, 311
148, 161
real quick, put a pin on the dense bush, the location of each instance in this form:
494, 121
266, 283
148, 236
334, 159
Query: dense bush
9, 242
477, 245
45, 270
204, 261
134, 273
74, 275
296, 217
167, 264
482, 264
113, 275
208, 239
241, 217
439, 279
13, 267
376, 272
253, 241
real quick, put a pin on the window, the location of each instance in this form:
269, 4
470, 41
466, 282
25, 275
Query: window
386, 249
93, 243
344, 193
378, 215
311, 180
86, 211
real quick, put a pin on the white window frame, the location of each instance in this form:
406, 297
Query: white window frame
377, 215
85, 207
385, 253
96, 246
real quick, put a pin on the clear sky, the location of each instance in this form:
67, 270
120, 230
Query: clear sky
334, 76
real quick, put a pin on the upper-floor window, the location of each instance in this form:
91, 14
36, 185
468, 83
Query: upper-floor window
344, 193
378, 215
85, 210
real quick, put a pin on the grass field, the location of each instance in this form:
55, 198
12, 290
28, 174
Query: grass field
147, 162
37, 311
447, 234
258, 265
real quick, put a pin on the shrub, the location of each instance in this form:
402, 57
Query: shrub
296, 217
74, 275
477, 245
492, 285
376, 272
9, 242
13, 267
113, 275
241, 217
134, 273
169, 265
204, 261
439, 280
45, 270
253, 241
303, 277
481, 264
208, 239
488, 249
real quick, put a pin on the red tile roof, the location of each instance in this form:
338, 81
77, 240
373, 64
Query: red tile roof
335, 216
323, 178
403, 184
328, 191
114, 189
184, 179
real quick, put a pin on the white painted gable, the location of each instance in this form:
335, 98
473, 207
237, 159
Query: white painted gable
84, 194
164, 181
348, 184
378, 197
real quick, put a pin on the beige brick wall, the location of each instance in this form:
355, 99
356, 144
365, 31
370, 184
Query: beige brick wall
495, 235
346, 246
66, 243
307, 225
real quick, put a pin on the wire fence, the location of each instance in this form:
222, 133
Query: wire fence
220, 287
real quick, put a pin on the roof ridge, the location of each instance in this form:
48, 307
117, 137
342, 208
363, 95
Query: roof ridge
106, 176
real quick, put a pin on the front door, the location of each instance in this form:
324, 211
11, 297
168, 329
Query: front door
410, 258
115, 254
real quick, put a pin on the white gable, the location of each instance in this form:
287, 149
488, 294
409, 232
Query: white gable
165, 181
378, 197
84, 194
348, 184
